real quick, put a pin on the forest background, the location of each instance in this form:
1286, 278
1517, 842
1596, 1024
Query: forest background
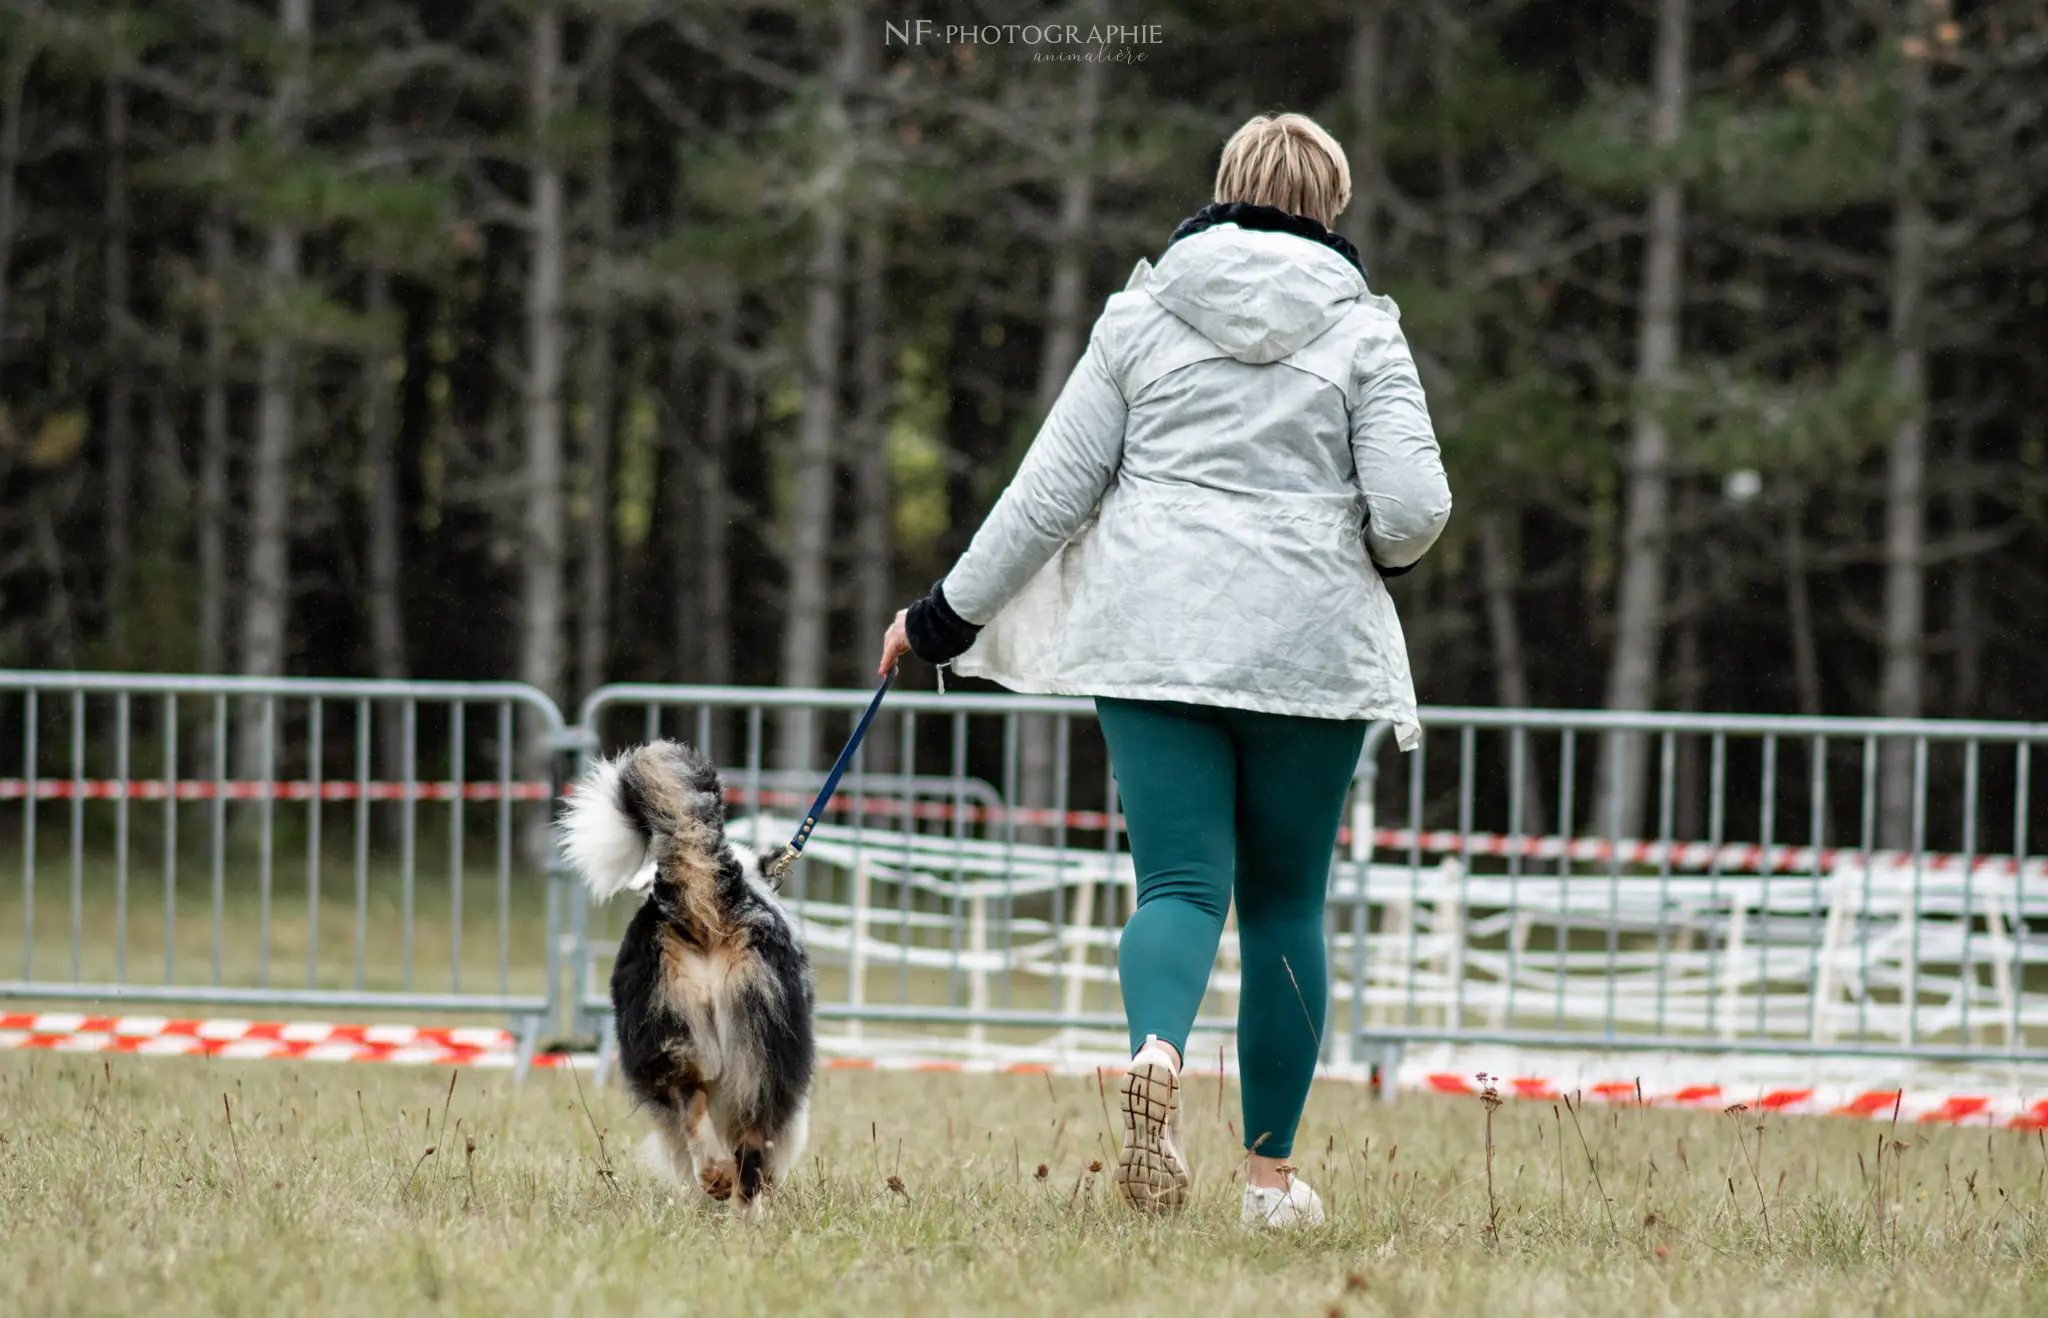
675, 341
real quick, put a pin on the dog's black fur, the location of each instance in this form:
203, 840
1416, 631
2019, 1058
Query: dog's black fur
711, 990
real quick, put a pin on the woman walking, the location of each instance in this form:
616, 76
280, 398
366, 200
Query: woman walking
1197, 539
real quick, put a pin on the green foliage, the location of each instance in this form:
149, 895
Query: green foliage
401, 224
917, 457
639, 440
1813, 152
1809, 428
1801, 152
1604, 146
704, 253
104, 41
1432, 310
1523, 430
310, 317
1489, 102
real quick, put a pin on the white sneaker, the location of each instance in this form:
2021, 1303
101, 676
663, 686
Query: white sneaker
1151, 1174
1280, 1210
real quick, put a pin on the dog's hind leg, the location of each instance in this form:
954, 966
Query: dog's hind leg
788, 1145
711, 1163
755, 1181
684, 1148
665, 1152
658, 1154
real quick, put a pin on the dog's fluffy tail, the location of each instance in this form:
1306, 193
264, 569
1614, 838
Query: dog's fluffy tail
651, 809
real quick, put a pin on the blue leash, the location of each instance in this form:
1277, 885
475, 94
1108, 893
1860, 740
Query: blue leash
803, 833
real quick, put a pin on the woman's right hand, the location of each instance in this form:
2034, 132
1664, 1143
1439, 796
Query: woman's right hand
895, 643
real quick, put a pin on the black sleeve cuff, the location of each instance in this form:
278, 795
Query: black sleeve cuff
1386, 573
937, 634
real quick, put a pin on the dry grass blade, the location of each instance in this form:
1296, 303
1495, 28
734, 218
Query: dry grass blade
1489, 1099
1592, 1164
235, 1144
1108, 1126
605, 1171
1734, 1112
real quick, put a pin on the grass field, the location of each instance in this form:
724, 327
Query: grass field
184, 1186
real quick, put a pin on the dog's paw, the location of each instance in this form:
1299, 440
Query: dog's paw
718, 1180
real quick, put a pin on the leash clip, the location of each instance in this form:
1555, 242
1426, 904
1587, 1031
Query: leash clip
779, 868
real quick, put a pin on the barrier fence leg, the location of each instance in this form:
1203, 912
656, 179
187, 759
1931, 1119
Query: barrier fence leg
857, 949
1385, 1058
529, 1040
582, 1022
607, 1051
1077, 934
568, 756
557, 889
977, 981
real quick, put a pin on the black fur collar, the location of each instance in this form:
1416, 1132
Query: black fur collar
1245, 215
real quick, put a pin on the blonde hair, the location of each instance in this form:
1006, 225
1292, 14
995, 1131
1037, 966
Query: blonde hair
1287, 161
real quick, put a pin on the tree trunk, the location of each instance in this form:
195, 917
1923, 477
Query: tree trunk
540, 631
1364, 82
170, 484
810, 515
599, 401
1901, 692
266, 607
594, 623
1688, 684
1799, 609
1496, 569
712, 645
11, 109
386, 528
213, 449
1511, 678
1966, 614
1510, 657
875, 578
120, 381
1065, 312
1639, 607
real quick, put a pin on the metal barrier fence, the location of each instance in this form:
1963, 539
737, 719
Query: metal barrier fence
1768, 913
921, 898
380, 847
297, 844
1765, 913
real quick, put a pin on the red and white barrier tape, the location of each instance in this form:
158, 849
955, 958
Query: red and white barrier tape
314, 1041
311, 1041
208, 789
1875, 1104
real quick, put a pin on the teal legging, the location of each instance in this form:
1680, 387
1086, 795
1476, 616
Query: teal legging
1217, 800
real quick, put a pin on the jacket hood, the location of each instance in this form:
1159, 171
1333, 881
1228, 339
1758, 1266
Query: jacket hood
1259, 295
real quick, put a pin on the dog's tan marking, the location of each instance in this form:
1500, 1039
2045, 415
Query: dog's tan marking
694, 979
688, 859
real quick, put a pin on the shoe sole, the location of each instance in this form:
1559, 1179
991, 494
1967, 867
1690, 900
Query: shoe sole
1150, 1177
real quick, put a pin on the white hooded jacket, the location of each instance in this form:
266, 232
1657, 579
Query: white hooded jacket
1199, 517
